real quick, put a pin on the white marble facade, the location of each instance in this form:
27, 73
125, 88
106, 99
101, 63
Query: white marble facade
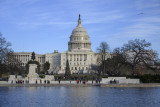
79, 54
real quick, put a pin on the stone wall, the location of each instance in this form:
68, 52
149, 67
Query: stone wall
119, 80
4, 82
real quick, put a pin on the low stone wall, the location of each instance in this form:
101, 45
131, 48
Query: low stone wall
69, 82
129, 81
119, 80
4, 82
41, 81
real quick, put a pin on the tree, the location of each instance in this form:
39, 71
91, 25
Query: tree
138, 52
8, 63
103, 49
115, 62
157, 59
97, 69
46, 66
67, 70
4, 49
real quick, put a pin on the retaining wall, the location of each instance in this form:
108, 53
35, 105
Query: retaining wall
119, 80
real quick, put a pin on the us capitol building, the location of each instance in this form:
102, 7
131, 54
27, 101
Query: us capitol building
79, 54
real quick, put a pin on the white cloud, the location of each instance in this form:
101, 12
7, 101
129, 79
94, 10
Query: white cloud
140, 30
151, 19
144, 4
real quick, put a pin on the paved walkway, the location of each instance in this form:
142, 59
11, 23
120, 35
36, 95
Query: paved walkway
48, 85
82, 85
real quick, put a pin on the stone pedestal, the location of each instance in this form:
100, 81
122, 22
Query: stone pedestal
49, 77
19, 77
32, 75
12, 79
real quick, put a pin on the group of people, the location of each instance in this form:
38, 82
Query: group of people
27, 81
97, 81
113, 81
20, 82
46, 81
80, 81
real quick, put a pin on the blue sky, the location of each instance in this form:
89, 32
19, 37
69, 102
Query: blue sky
46, 25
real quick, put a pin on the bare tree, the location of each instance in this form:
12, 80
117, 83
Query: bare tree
97, 69
8, 63
103, 49
4, 49
115, 62
138, 52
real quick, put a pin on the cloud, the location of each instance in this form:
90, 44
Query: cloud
42, 24
140, 30
103, 17
149, 19
145, 4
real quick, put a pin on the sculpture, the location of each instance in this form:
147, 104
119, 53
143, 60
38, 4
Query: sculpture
79, 17
33, 57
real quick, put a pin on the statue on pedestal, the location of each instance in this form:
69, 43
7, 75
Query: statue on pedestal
33, 57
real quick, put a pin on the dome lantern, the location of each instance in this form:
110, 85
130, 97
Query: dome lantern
79, 21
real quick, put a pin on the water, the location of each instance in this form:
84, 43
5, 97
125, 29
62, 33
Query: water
78, 96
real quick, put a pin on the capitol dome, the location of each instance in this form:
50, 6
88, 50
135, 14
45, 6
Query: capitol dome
79, 39
79, 30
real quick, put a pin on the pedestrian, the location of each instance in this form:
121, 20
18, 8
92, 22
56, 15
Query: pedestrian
77, 81
59, 81
84, 82
96, 80
99, 81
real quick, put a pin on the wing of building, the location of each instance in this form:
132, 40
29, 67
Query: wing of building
79, 54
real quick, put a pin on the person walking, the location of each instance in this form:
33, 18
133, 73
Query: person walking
59, 81
77, 81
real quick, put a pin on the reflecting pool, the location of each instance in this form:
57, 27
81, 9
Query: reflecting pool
78, 97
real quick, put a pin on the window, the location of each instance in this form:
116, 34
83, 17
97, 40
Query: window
80, 57
70, 57
75, 68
